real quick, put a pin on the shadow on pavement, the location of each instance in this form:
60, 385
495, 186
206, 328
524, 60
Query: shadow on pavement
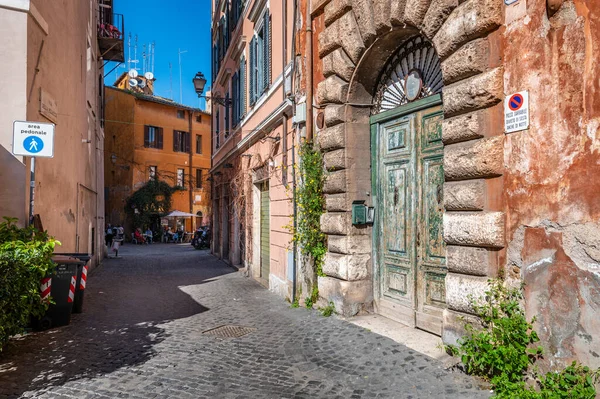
125, 302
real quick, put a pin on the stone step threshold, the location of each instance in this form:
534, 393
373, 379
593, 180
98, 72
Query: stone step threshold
418, 340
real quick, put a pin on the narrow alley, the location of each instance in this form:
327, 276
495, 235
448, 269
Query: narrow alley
142, 335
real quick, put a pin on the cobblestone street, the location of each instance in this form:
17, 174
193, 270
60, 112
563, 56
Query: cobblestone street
141, 336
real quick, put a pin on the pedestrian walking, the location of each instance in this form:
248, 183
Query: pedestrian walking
108, 238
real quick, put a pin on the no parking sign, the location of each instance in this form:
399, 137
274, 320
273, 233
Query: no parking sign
516, 112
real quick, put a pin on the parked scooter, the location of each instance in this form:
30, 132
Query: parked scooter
201, 239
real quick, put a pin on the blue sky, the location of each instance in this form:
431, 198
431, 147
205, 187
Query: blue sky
171, 25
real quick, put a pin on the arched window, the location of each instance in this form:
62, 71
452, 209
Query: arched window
411, 73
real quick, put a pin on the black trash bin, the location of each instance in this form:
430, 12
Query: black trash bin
62, 291
80, 283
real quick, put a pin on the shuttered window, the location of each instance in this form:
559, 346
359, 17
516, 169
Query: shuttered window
260, 59
181, 141
217, 127
235, 99
242, 87
252, 71
198, 144
153, 137
227, 116
198, 178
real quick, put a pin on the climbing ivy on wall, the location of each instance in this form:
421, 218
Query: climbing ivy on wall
151, 200
311, 203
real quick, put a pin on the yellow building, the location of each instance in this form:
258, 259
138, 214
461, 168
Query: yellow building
150, 137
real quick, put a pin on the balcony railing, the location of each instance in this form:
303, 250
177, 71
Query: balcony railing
111, 33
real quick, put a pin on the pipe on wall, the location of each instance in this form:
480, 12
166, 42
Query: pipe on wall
309, 74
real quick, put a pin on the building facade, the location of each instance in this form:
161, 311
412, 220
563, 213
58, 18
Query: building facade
153, 138
253, 138
51, 71
411, 101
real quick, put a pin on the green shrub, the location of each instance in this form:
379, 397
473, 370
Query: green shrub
501, 350
328, 310
25, 258
311, 205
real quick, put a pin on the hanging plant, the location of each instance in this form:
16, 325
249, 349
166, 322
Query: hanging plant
311, 204
150, 201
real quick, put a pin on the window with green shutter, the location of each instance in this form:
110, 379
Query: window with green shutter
260, 58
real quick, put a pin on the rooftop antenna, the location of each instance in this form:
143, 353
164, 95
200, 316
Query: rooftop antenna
153, 47
144, 59
180, 84
129, 52
135, 60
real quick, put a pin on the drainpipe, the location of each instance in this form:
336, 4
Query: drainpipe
295, 245
285, 117
309, 74
193, 221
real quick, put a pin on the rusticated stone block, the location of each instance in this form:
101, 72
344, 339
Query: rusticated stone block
479, 229
335, 223
470, 19
469, 60
470, 260
332, 137
335, 160
335, 182
415, 11
467, 195
335, 9
338, 63
347, 267
334, 114
438, 12
354, 244
474, 159
461, 290
363, 12
464, 127
332, 90
337, 202
348, 297
454, 326
381, 15
480, 91
343, 32
397, 12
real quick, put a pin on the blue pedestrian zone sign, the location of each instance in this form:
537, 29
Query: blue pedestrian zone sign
33, 144
33, 139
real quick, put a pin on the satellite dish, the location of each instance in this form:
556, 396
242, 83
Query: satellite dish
133, 73
142, 83
149, 75
133, 82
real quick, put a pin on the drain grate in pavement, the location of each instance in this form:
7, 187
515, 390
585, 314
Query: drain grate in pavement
229, 331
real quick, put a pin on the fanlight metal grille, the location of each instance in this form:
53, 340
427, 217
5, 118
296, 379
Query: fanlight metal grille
415, 53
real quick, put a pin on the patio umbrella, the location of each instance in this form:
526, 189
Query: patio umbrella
179, 214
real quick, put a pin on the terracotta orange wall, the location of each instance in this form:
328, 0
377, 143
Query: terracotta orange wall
553, 174
135, 114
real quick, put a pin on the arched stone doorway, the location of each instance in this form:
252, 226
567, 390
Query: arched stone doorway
409, 265
357, 43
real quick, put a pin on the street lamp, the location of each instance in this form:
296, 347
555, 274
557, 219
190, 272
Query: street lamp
199, 83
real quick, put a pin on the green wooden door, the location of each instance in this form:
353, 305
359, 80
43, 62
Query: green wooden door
265, 242
407, 182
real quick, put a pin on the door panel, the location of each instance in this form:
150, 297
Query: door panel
265, 232
410, 247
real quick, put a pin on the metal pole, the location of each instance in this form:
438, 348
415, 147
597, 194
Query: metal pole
31, 190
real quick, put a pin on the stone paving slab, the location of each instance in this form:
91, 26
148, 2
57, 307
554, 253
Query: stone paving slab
140, 336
